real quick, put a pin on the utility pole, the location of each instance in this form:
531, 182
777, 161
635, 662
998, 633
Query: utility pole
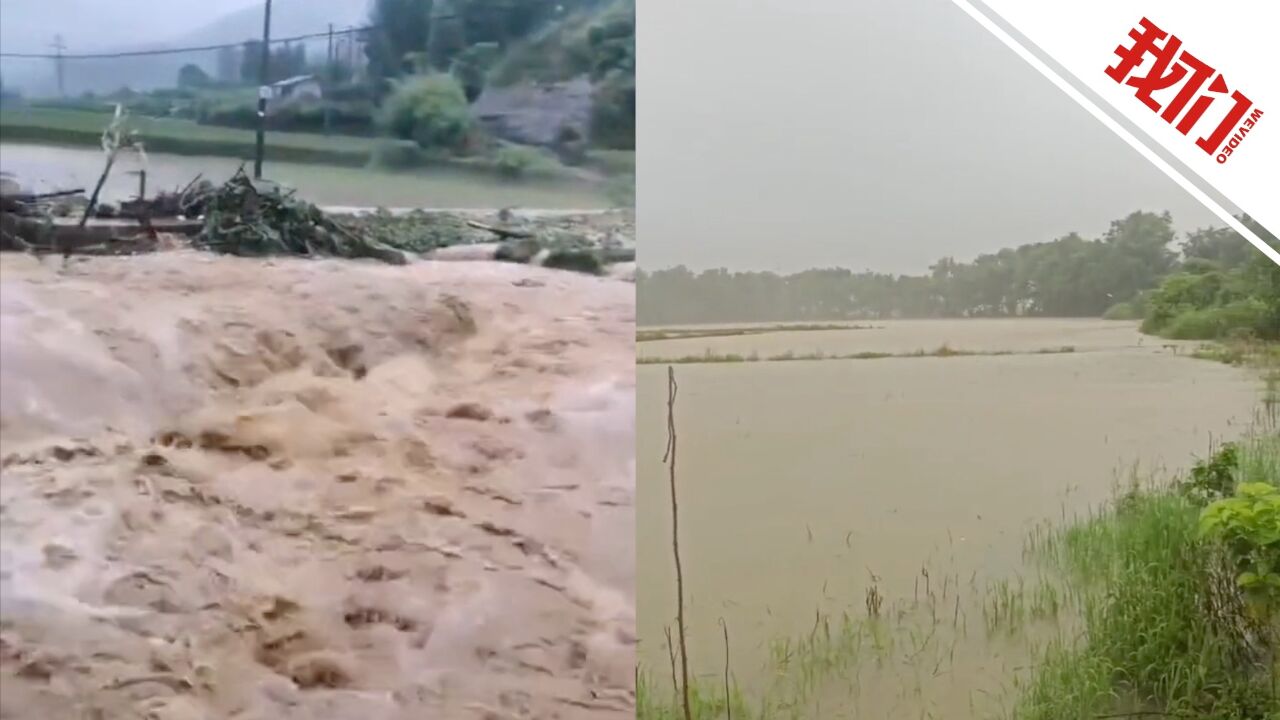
263, 92
327, 87
58, 47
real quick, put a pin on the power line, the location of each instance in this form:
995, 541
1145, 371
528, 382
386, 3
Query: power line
177, 51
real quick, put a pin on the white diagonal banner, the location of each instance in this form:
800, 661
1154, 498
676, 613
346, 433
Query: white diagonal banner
1197, 81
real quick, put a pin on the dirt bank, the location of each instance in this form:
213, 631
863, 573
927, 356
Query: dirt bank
314, 489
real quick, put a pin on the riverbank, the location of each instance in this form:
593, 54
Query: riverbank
45, 168
1177, 589
79, 128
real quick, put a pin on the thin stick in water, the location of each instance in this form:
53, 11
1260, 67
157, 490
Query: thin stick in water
728, 698
670, 458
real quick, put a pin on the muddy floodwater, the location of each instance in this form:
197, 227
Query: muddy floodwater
281, 488
45, 168
811, 490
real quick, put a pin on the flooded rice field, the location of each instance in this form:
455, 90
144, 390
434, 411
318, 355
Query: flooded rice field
905, 336
899, 490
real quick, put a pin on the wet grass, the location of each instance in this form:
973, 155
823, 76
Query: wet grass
1165, 630
181, 137
1240, 352
943, 351
909, 642
657, 335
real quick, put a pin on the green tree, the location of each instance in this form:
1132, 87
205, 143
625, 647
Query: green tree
251, 62
471, 67
192, 76
431, 110
228, 65
1072, 276
447, 36
399, 27
613, 112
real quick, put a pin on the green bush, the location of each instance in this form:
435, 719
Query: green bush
515, 161
1215, 323
398, 155
227, 114
1248, 524
346, 118
613, 112
1214, 477
1123, 311
430, 110
193, 76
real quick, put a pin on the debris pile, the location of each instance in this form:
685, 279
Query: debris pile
190, 202
251, 219
254, 218
583, 242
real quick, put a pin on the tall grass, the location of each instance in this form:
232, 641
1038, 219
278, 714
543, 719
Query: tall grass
1166, 632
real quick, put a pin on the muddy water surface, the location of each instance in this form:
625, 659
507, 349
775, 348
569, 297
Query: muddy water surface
805, 484
45, 168
271, 489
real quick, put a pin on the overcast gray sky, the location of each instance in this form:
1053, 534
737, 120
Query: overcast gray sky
868, 134
88, 25
29, 26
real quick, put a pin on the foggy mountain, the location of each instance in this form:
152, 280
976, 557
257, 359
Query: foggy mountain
288, 18
29, 26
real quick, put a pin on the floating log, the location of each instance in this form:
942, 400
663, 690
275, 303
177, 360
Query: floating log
500, 232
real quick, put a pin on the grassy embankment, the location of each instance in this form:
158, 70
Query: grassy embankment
1179, 599
81, 128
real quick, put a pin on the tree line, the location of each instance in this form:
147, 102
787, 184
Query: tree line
1068, 277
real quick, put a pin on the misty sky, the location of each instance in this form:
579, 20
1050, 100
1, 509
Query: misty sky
88, 25
867, 134
29, 26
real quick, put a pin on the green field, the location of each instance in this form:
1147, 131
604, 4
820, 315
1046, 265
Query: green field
180, 137
54, 126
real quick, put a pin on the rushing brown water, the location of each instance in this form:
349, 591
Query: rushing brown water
805, 484
314, 490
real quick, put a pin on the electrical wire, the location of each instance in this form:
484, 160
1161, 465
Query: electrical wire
178, 51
